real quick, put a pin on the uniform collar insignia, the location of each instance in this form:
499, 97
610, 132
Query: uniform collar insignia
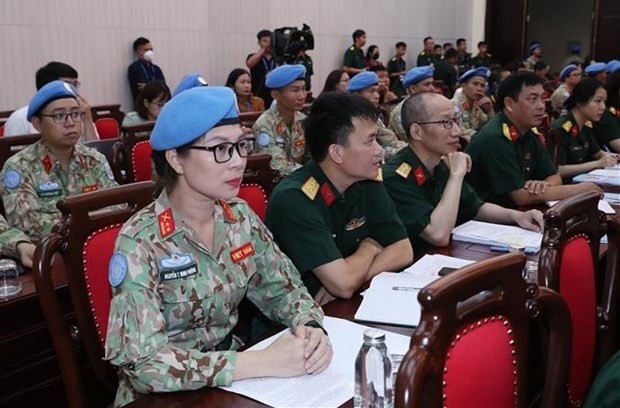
279, 128
510, 132
614, 111
327, 194
403, 170
166, 223
465, 105
229, 215
379, 175
588, 124
310, 188
47, 163
419, 175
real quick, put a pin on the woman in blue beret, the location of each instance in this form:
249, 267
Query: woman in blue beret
183, 264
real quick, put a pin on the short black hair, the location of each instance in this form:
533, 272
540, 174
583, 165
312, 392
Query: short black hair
539, 65
378, 68
447, 44
512, 86
263, 33
139, 42
583, 92
451, 53
358, 33
52, 71
330, 121
151, 91
460, 41
426, 39
400, 44
414, 111
437, 46
481, 43
234, 75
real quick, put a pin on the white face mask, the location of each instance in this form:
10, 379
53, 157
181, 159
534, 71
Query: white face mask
148, 56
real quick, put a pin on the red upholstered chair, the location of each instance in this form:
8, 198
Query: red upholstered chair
131, 156
568, 264
248, 118
471, 347
107, 128
256, 198
84, 239
108, 111
258, 182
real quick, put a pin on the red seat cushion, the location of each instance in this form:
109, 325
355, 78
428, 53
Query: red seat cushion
141, 161
480, 366
256, 198
577, 287
97, 253
107, 128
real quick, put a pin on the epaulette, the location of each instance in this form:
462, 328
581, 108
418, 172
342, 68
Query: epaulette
422, 53
310, 188
489, 55
567, 125
352, 48
588, 124
613, 110
393, 58
510, 132
535, 130
403, 170
379, 175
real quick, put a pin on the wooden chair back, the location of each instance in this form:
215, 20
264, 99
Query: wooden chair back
131, 156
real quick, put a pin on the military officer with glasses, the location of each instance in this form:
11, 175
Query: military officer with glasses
55, 167
183, 264
426, 179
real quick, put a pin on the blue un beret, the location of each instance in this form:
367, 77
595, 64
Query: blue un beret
567, 70
285, 75
189, 81
595, 69
480, 71
362, 80
612, 66
193, 113
417, 74
48, 93
534, 45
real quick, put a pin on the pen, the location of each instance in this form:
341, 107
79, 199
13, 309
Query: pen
500, 248
405, 288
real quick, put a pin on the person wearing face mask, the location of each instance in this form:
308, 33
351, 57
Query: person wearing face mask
372, 57
143, 70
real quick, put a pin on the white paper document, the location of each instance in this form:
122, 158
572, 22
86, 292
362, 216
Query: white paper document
392, 298
612, 197
609, 176
485, 233
603, 206
331, 388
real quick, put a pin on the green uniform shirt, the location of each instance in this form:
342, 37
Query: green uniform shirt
608, 128
314, 224
174, 301
575, 146
501, 165
354, 58
481, 61
286, 145
9, 238
34, 181
396, 64
425, 58
604, 392
416, 192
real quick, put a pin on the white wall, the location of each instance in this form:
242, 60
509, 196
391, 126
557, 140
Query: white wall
210, 36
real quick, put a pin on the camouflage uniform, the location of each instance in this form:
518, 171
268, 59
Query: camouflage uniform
558, 97
287, 146
472, 116
34, 181
9, 238
388, 140
395, 121
171, 317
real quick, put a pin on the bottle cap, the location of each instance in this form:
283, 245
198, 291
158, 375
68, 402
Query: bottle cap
374, 336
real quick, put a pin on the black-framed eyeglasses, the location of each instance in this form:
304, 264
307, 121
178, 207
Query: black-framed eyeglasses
223, 152
61, 118
446, 123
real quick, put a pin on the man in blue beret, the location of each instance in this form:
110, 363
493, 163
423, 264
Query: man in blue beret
570, 77
278, 130
612, 66
426, 57
416, 80
366, 84
535, 55
260, 64
472, 105
597, 71
143, 70
189, 81
354, 55
332, 217
55, 167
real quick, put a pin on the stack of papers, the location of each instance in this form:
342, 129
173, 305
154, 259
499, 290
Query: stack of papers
485, 233
603, 205
609, 176
331, 388
613, 198
392, 298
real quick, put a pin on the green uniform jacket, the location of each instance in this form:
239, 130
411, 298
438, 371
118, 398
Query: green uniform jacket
396, 64
481, 61
416, 192
501, 165
575, 145
354, 58
608, 128
9, 238
34, 181
174, 301
314, 224
605, 391
286, 145
425, 58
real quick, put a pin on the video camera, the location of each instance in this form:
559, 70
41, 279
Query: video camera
288, 41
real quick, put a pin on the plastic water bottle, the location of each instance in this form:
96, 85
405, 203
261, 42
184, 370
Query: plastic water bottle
373, 373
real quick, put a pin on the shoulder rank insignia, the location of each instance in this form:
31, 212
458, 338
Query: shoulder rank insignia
228, 212
419, 175
403, 170
510, 132
588, 124
310, 188
567, 125
352, 48
47, 163
166, 223
393, 58
379, 175
535, 130
614, 111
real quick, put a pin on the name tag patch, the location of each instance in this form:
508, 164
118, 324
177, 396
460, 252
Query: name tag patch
49, 189
177, 266
239, 254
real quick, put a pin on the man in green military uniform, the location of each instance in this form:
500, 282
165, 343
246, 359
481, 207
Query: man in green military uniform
397, 67
510, 165
426, 179
183, 264
278, 130
418, 79
426, 57
15, 244
331, 217
55, 167
607, 130
354, 62
483, 58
